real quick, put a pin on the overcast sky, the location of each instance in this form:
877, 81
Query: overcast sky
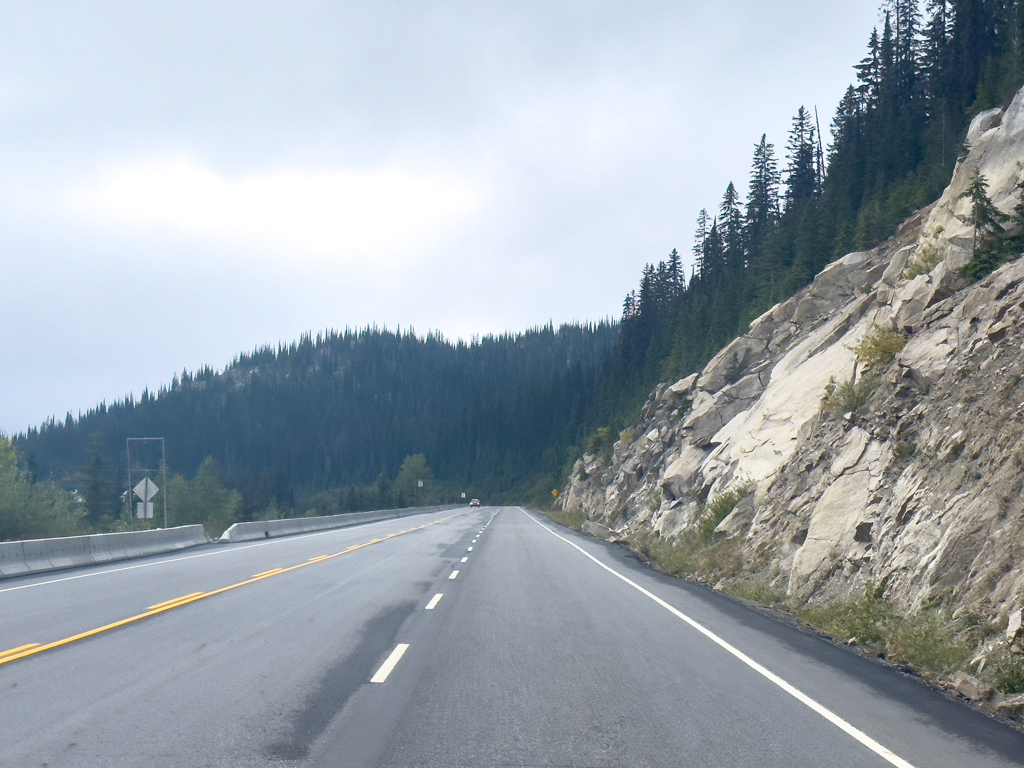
182, 181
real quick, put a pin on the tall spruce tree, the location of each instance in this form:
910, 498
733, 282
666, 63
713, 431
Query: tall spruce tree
802, 169
763, 195
730, 223
986, 220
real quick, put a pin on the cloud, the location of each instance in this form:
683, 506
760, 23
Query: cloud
312, 214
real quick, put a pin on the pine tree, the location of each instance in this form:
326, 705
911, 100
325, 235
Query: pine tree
763, 197
713, 258
802, 171
985, 218
869, 70
676, 274
698, 239
731, 228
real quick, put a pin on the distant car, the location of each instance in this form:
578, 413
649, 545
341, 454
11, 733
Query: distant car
475, 503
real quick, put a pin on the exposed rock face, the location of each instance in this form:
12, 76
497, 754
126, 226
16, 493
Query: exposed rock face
918, 493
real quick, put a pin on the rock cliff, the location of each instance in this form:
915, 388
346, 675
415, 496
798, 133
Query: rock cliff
918, 491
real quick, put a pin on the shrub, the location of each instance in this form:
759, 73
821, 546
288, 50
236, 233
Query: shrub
927, 641
880, 346
925, 259
905, 450
1009, 675
848, 396
600, 443
570, 519
717, 510
930, 641
865, 620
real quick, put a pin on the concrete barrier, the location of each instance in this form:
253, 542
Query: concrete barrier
12, 559
269, 529
38, 555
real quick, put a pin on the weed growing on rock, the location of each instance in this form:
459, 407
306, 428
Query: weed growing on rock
754, 591
904, 450
570, 519
925, 259
600, 443
1007, 674
880, 346
848, 396
861, 622
716, 510
929, 641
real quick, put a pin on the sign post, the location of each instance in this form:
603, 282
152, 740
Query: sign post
146, 489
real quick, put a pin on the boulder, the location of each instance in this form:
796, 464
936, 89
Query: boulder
596, 530
971, 687
727, 365
681, 475
1014, 625
1012, 707
734, 523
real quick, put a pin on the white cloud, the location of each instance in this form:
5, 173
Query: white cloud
337, 213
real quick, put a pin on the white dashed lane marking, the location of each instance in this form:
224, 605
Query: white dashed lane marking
434, 601
389, 664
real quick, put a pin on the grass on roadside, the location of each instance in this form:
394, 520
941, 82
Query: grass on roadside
574, 520
930, 641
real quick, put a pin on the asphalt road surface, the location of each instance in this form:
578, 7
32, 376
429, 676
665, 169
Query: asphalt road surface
465, 638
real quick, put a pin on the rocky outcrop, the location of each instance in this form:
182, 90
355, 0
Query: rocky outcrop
919, 492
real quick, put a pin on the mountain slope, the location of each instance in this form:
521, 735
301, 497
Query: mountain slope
341, 409
912, 497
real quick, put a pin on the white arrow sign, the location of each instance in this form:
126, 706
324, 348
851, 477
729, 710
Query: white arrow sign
146, 490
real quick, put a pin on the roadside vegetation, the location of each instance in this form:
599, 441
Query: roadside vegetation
31, 510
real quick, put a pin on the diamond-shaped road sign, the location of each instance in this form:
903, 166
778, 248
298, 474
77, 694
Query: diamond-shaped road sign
146, 490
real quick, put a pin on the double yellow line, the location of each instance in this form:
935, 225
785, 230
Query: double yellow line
24, 651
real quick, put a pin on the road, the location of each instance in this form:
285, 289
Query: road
545, 649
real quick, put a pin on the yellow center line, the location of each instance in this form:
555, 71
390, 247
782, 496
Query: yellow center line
166, 603
271, 572
32, 649
19, 649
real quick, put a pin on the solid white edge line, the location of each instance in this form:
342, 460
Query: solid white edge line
453, 575
434, 601
832, 717
389, 663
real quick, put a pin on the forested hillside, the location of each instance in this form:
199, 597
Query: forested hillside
892, 145
326, 423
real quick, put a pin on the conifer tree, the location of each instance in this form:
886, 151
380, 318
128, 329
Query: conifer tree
869, 70
698, 239
731, 228
802, 171
985, 218
763, 197
713, 259
676, 274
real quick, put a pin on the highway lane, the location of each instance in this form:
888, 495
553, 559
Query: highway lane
544, 658
207, 683
57, 604
536, 655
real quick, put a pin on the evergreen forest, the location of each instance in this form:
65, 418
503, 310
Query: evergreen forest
338, 422
890, 149
354, 420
